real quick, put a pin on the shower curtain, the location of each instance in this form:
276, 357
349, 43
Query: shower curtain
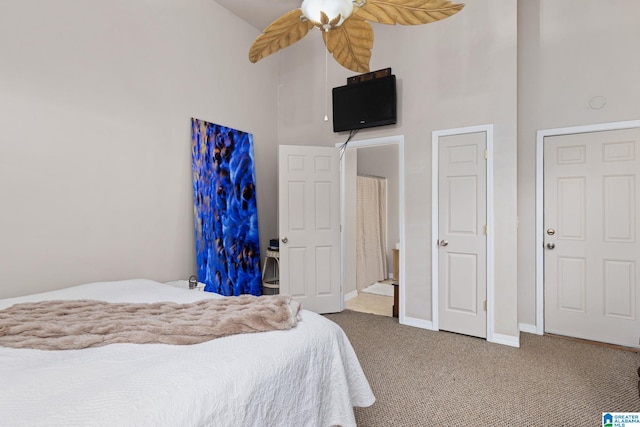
371, 234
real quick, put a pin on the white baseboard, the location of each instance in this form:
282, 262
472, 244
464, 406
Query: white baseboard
350, 295
528, 328
506, 340
417, 323
427, 324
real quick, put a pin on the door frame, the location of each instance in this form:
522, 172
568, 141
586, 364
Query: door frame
435, 154
397, 140
540, 136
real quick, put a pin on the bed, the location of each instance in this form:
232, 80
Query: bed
306, 376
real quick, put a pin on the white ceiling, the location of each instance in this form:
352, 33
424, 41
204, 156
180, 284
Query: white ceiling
259, 13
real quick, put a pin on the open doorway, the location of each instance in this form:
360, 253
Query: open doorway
372, 213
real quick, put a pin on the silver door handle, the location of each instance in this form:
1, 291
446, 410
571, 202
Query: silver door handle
284, 240
443, 243
551, 245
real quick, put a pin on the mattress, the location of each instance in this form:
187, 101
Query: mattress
306, 376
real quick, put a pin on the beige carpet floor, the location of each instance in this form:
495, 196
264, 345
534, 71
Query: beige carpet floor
426, 378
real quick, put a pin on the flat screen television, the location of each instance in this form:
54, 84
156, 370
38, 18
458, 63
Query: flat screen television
365, 104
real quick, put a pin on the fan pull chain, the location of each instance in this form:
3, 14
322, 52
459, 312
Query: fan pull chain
326, 85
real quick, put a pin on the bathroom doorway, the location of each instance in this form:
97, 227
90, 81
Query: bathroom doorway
372, 209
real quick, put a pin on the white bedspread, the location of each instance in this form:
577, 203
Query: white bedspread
307, 376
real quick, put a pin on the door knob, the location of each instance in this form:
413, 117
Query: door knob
443, 243
551, 245
551, 231
284, 240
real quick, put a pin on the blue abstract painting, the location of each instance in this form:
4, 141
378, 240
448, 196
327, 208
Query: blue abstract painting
225, 210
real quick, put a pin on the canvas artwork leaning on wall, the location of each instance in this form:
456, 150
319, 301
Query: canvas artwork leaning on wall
225, 210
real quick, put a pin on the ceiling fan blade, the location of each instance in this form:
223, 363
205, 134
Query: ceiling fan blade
406, 12
281, 33
351, 44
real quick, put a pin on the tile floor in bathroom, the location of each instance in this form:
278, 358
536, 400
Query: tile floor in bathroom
371, 303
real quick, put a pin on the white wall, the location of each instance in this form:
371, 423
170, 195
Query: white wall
454, 73
95, 163
96, 97
570, 52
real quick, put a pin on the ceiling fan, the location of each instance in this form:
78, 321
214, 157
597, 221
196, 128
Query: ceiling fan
345, 30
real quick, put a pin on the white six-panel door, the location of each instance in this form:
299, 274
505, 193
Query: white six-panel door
461, 234
309, 226
591, 236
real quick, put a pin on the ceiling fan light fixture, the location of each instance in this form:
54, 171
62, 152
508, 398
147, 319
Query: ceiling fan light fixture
335, 11
351, 44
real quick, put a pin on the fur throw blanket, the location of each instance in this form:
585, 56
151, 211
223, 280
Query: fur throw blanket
76, 324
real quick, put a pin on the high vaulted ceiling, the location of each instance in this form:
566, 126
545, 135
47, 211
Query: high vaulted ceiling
259, 13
